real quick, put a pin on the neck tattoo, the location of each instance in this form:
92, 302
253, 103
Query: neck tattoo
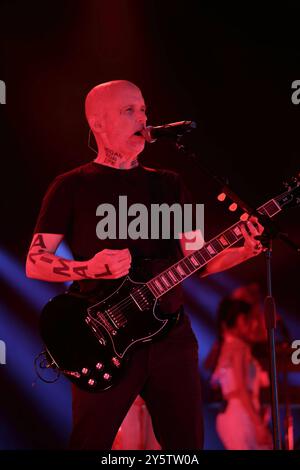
112, 158
116, 159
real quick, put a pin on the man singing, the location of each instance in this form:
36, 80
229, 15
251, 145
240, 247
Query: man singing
165, 372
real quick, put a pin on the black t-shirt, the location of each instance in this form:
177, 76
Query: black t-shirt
69, 208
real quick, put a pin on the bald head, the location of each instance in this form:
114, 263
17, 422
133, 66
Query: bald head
116, 113
101, 97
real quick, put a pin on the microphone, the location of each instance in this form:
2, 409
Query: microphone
167, 131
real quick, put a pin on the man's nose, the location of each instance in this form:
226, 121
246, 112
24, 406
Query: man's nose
141, 117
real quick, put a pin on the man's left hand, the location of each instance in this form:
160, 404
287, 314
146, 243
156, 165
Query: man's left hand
251, 230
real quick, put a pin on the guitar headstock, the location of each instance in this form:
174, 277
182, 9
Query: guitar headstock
291, 197
292, 182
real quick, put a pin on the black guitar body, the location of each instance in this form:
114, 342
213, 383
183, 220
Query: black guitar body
90, 343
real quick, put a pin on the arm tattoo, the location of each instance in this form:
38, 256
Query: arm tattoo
46, 260
104, 273
38, 241
62, 270
82, 271
31, 256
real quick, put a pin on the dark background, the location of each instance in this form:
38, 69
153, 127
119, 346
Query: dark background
230, 68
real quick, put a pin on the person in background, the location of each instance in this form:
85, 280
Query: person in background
242, 425
252, 295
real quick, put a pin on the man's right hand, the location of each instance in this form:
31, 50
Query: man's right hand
109, 264
43, 264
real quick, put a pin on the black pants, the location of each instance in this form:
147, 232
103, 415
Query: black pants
165, 373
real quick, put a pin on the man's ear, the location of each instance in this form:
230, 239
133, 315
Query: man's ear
95, 124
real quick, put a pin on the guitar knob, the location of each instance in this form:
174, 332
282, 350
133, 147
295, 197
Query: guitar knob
106, 376
99, 365
91, 382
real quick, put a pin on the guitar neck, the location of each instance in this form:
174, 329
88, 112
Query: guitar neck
188, 265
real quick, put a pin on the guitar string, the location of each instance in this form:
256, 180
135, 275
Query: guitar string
129, 299
118, 305
125, 302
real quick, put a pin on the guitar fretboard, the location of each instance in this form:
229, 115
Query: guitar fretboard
188, 265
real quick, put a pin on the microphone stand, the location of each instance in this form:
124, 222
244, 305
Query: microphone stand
270, 321
269, 305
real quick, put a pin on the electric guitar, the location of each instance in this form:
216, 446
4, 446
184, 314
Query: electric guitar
89, 342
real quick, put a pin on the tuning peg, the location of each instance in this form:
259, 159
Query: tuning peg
233, 207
